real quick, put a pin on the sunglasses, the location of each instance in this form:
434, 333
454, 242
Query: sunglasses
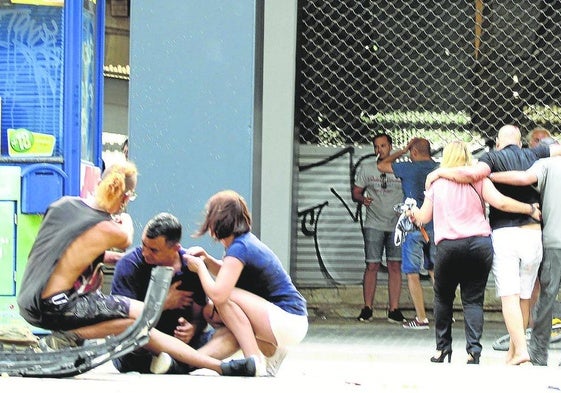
131, 194
384, 181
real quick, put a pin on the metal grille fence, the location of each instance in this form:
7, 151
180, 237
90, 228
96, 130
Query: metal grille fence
446, 67
443, 70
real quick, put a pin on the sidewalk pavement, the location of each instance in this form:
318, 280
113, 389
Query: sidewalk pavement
340, 355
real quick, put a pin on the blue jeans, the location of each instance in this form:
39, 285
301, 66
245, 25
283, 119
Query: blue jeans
376, 241
415, 252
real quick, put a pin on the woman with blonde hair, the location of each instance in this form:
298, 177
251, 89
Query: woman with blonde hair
61, 284
464, 250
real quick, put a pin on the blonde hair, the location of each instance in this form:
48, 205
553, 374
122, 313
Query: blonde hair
455, 154
115, 182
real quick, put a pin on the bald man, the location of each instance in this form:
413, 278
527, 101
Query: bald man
517, 239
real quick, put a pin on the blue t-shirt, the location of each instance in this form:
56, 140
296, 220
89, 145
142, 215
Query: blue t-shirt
264, 275
131, 279
413, 175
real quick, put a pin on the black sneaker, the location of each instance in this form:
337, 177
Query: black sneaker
365, 314
396, 316
239, 367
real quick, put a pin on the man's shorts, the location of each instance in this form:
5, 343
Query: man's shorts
416, 253
70, 310
516, 260
375, 241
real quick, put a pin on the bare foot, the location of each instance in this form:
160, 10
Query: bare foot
519, 360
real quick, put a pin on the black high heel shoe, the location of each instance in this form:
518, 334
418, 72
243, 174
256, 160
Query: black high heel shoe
443, 354
473, 358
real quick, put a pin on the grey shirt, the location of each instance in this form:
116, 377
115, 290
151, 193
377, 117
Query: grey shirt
65, 220
380, 214
548, 172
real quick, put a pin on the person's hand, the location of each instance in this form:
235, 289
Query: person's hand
121, 218
536, 212
197, 251
411, 213
178, 298
194, 263
410, 143
111, 257
431, 178
184, 331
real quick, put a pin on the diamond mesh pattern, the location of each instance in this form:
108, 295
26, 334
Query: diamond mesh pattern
442, 69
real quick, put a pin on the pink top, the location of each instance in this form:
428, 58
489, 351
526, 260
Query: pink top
457, 211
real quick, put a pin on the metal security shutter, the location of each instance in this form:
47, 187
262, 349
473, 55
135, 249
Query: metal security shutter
329, 242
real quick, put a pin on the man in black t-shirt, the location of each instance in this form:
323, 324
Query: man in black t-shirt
516, 238
183, 309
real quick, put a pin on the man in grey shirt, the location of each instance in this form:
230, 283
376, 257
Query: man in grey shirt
379, 192
545, 175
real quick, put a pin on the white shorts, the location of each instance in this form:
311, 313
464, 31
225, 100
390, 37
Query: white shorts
289, 329
516, 260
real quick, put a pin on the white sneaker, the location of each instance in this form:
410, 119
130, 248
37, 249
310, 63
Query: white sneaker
274, 362
161, 364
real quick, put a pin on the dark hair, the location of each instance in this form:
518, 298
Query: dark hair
380, 135
422, 145
226, 214
166, 225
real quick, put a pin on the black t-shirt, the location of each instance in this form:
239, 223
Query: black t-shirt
131, 279
513, 158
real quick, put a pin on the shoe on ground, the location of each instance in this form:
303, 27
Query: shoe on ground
161, 364
59, 340
365, 314
274, 362
396, 316
245, 367
503, 343
415, 324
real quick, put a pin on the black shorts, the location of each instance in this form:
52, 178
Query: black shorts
70, 310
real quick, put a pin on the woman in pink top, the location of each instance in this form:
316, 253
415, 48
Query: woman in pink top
464, 250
